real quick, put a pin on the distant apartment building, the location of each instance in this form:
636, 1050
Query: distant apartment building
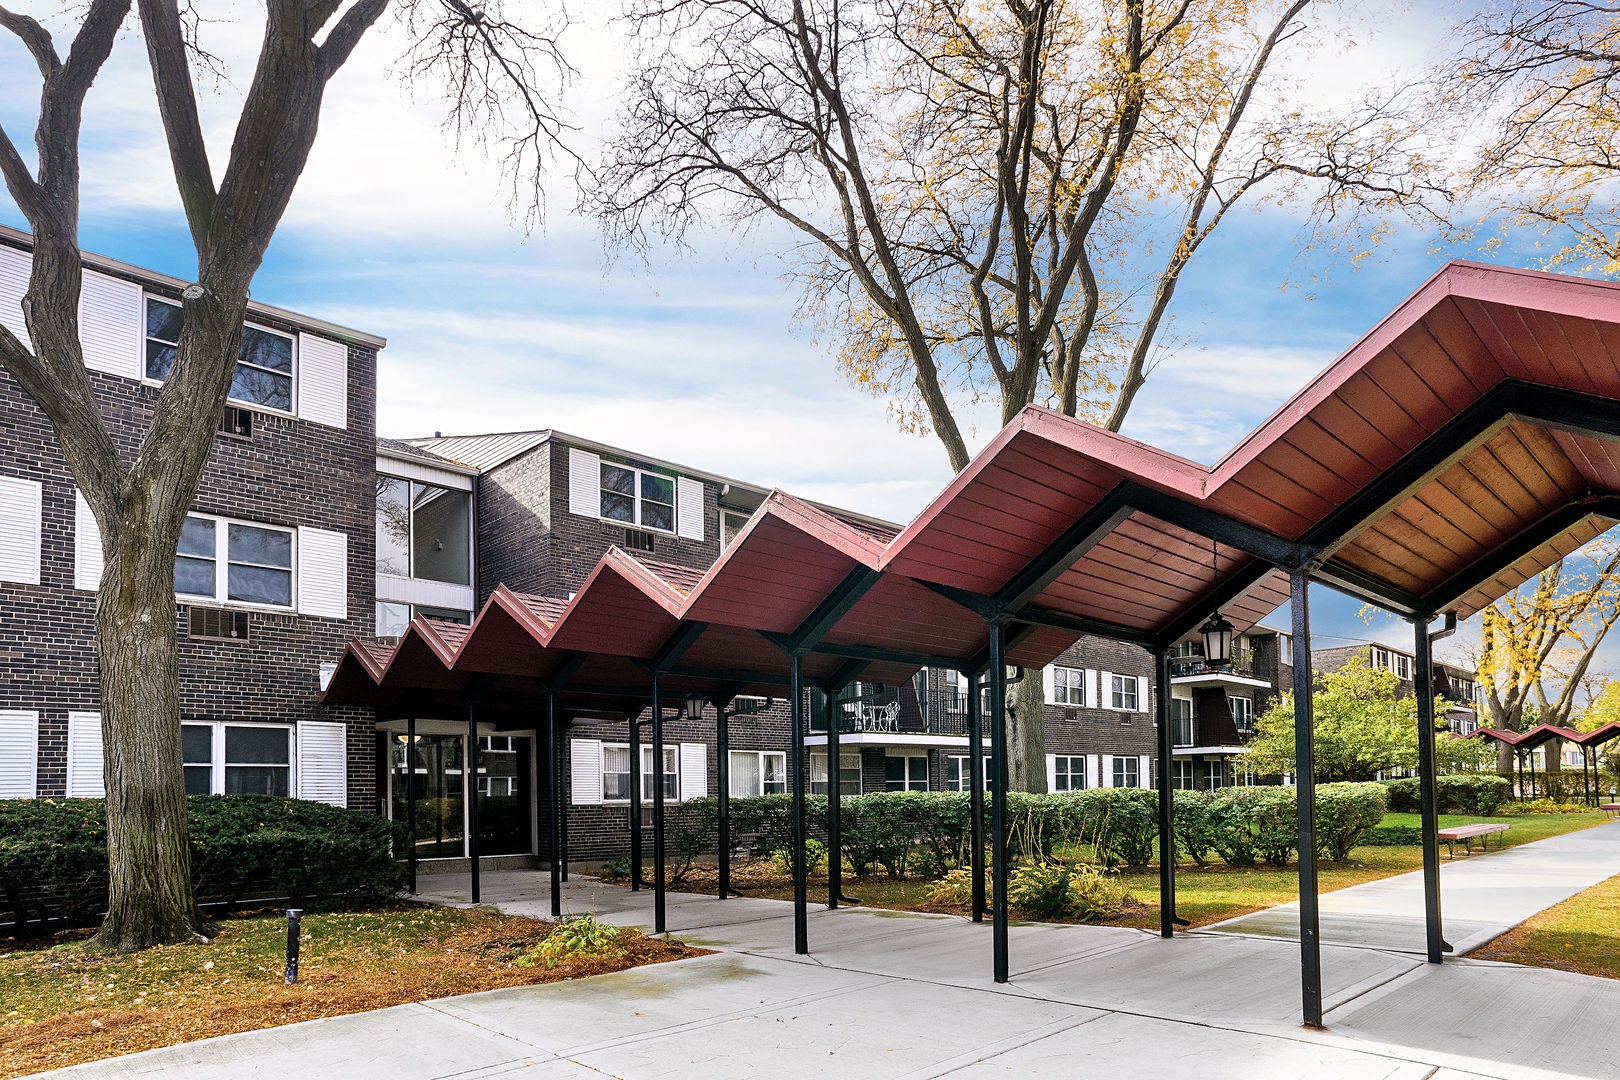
1456, 687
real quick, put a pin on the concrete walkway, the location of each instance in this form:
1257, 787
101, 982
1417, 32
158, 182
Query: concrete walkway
1482, 896
897, 994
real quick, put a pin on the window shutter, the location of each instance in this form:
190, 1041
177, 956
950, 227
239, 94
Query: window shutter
1049, 680
1143, 704
1093, 771
689, 508
112, 327
584, 483
323, 762
87, 564
694, 758
19, 753
1108, 770
1106, 688
1091, 688
85, 762
323, 573
323, 380
19, 529
1051, 772
1144, 771
585, 771
15, 268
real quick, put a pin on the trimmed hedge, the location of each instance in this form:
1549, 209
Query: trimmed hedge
1481, 794
907, 832
53, 855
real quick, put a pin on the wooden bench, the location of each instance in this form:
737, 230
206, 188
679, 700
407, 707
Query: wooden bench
1465, 835
1610, 808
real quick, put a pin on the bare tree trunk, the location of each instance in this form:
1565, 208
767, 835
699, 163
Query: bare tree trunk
1026, 734
149, 854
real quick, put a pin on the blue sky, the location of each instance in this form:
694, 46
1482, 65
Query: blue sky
691, 354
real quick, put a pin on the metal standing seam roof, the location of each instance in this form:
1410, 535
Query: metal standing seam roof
1451, 453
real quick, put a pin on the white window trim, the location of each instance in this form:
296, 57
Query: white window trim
675, 497
222, 563
410, 539
217, 765
140, 360
1230, 698
1116, 767
1077, 686
962, 772
670, 750
908, 754
1074, 773
1135, 684
844, 757
761, 755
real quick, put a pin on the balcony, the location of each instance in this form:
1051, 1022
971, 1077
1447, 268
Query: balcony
897, 716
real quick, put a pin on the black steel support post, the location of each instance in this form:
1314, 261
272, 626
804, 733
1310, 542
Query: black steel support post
560, 778
1167, 831
722, 739
410, 791
472, 795
998, 799
801, 918
976, 791
835, 840
635, 802
1423, 687
554, 802
658, 802
1310, 945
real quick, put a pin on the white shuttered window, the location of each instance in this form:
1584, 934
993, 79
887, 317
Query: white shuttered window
19, 753
19, 530
323, 380
585, 771
85, 760
689, 508
323, 769
87, 561
323, 573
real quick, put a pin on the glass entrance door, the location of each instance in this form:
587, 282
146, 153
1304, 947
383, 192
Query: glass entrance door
430, 771
433, 772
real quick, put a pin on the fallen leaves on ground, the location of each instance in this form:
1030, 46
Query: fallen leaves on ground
61, 1004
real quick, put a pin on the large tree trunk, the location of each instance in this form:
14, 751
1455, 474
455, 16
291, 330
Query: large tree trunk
148, 842
1026, 734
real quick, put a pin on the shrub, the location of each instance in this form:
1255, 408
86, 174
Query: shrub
1194, 834
954, 889
815, 859
1544, 806
1230, 821
53, 855
1057, 891
616, 869
1121, 824
1459, 793
1393, 836
1344, 813
581, 937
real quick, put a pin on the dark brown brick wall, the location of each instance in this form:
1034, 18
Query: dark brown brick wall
291, 473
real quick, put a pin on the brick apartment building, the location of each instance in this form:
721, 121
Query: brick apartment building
310, 531
275, 570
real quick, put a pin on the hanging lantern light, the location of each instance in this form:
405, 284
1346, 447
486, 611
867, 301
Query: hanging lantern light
1217, 632
1217, 635
694, 705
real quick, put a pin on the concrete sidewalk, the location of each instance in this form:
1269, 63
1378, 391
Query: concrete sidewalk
1482, 896
898, 994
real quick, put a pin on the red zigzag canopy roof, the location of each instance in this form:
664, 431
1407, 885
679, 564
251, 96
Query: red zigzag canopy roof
1466, 442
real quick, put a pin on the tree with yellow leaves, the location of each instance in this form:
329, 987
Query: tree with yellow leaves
1537, 642
1544, 77
996, 198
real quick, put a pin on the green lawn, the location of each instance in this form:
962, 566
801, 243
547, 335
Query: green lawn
1581, 934
1203, 895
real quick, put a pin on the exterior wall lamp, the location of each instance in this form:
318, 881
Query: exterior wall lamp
694, 705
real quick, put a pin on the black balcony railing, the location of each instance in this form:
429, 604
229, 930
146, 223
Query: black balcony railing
899, 710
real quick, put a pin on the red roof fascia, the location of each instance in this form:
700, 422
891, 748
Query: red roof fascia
507, 637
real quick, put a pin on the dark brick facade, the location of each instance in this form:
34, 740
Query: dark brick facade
291, 473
